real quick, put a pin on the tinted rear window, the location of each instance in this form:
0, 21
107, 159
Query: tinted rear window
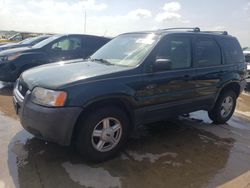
232, 51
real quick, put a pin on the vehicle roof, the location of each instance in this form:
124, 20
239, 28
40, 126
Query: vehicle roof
82, 35
163, 32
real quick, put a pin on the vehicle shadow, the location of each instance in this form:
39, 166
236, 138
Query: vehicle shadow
164, 154
6, 89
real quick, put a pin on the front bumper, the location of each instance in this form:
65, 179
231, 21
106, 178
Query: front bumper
51, 124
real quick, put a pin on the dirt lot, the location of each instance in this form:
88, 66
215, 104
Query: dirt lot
186, 152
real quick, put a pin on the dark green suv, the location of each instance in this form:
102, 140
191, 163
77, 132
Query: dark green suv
137, 78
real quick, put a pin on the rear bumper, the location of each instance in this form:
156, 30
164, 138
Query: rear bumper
51, 124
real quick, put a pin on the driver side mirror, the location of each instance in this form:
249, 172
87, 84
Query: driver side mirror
162, 65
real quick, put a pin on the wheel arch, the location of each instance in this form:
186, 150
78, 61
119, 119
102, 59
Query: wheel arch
121, 102
233, 86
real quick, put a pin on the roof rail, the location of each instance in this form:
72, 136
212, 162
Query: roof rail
194, 29
218, 32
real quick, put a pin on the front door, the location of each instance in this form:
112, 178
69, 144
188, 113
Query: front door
66, 48
169, 92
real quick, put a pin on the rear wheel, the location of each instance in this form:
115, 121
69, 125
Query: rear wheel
224, 107
102, 134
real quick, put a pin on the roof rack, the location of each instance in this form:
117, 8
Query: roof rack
194, 29
218, 32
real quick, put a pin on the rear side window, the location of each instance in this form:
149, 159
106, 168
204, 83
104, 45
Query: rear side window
206, 52
92, 44
232, 51
177, 50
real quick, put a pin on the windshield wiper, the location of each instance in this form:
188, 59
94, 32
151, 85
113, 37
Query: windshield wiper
104, 61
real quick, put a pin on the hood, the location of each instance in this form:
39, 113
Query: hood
11, 46
56, 75
3, 43
15, 50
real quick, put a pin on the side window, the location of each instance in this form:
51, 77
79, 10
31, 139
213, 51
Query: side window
177, 50
206, 52
92, 44
67, 44
232, 51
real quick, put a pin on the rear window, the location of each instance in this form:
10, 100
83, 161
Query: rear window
232, 51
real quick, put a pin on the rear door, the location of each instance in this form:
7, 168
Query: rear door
208, 66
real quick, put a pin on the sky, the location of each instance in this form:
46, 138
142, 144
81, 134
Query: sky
113, 17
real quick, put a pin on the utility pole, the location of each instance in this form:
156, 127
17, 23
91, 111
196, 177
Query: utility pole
85, 20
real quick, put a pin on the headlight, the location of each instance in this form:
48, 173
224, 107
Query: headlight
7, 58
13, 57
48, 97
3, 59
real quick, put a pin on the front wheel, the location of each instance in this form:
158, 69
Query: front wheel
224, 107
102, 134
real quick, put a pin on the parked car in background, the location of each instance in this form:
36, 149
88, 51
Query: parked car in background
136, 78
25, 43
247, 57
56, 48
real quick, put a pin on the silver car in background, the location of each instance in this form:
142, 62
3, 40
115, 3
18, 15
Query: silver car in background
246, 52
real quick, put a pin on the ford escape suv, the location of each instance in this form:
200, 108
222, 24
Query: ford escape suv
136, 78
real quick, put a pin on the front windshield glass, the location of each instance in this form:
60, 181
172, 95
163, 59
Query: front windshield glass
247, 49
126, 50
46, 41
29, 40
25, 41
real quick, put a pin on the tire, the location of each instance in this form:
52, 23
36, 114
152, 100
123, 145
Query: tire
221, 114
94, 123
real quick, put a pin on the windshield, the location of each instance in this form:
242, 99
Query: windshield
247, 49
46, 41
25, 41
126, 50
33, 40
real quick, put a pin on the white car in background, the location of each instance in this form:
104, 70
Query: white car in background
246, 52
